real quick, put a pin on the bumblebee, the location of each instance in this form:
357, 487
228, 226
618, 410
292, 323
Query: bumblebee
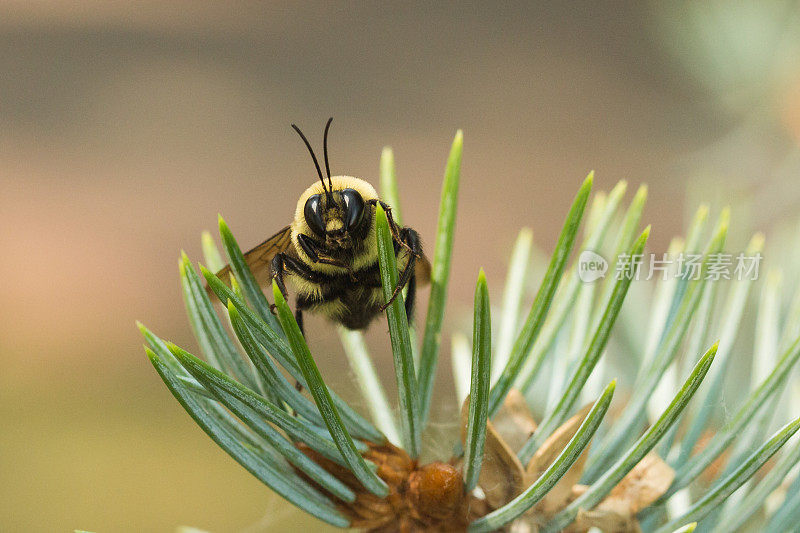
329, 252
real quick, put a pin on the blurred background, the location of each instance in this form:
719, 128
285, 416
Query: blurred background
126, 128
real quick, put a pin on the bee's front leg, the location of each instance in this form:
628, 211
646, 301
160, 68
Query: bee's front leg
411, 297
278, 268
410, 240
393, 227
283, 263
309, 247
300, 303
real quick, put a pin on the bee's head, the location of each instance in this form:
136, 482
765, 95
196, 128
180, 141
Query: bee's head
335, 215
335, 211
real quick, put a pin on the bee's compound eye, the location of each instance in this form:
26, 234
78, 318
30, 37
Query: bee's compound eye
355, 207
313, 215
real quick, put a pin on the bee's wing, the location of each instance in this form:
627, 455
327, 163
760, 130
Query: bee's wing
422, 270
260, 257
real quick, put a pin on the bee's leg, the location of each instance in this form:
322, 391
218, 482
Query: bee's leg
283, 263
309, 246
298, 317
393, 227
278, 269
410, 239
411, 297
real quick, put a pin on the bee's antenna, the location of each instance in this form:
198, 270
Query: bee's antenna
314, 157
325, 148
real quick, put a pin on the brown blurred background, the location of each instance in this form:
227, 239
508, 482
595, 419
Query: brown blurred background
125, 129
